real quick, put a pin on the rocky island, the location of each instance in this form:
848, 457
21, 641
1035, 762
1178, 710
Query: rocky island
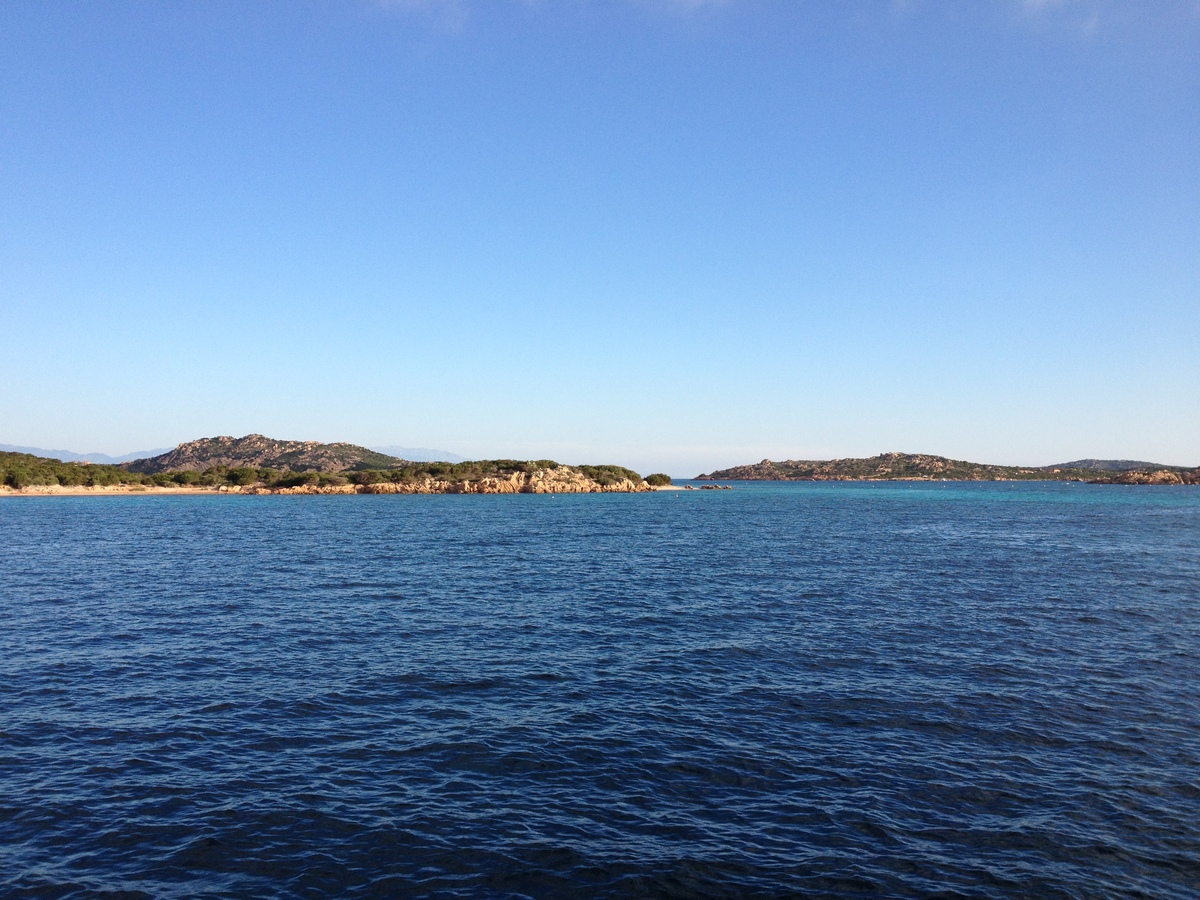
922, 467
255, 464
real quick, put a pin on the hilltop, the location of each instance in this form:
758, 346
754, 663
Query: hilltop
922, 467
259, 452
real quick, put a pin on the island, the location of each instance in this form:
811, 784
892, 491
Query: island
255, 464
922, 467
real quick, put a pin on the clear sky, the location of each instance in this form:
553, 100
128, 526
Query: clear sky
672, 235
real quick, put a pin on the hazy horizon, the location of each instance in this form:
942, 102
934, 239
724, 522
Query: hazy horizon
678, 235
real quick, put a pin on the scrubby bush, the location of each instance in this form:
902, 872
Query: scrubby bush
20, 470
298, 479
658, 479
607, 475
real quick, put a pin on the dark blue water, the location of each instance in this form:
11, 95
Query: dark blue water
817, 690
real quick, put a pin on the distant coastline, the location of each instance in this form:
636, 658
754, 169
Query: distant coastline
255, 464
921, 467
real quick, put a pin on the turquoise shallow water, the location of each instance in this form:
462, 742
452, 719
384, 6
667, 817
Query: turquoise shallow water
906, 690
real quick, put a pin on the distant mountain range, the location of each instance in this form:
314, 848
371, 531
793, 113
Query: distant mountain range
421, 454
921, 467
69, 456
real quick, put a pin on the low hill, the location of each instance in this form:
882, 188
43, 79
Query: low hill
259, 452
1117, 465
921, 467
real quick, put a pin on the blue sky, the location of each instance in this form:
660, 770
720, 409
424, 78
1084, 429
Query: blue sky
673, 235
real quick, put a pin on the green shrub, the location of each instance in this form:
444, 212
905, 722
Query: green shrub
298, 479
19, 470
242, 475
658, 479
606, 475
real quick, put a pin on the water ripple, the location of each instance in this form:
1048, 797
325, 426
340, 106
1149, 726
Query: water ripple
816, 690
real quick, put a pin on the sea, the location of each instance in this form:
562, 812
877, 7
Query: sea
782, 690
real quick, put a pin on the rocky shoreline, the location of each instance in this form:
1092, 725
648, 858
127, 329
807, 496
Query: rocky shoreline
258, 465
562, 480
1163, 476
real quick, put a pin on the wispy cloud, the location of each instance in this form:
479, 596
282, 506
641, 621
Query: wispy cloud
1083, 16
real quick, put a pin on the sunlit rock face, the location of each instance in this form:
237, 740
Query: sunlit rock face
261, 452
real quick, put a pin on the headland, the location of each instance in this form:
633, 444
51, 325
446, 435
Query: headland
255, 464
923, 467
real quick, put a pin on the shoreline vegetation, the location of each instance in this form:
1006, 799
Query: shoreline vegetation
259, 465
24, 474
255, 464
921, 467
